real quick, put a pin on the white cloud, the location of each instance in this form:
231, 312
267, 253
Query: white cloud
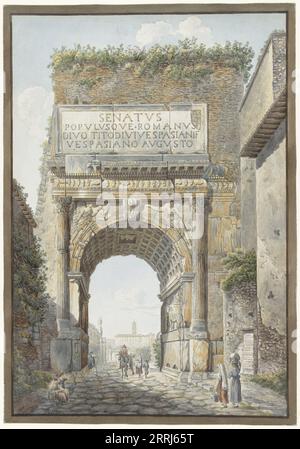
154, 32
128, 298
193, 27
31, 110
33, 107
124, 289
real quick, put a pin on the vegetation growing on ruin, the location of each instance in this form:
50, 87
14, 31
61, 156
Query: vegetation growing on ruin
186, 60
275, 381
30, 303
242, 267
27, 380
29, 281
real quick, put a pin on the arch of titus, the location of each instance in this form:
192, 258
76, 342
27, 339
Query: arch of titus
184, 144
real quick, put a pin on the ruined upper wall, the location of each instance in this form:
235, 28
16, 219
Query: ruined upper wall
219, 84
222, 91
268, 81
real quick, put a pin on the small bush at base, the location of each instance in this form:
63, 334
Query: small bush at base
275, 381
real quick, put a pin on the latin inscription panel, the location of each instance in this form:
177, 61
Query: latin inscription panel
125, 129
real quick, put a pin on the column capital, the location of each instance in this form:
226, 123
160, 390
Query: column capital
79, 279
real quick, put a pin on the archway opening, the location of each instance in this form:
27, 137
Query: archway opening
166, 252
124, 309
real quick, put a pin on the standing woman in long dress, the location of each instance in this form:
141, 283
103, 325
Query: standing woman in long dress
235, 383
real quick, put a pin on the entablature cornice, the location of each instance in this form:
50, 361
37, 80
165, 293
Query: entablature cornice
79, 278
175, 284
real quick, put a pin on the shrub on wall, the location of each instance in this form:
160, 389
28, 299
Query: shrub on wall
242, 267
186, 60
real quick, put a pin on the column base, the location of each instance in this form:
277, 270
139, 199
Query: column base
198, 329
199, 355
61, 355
63, 326
69, 350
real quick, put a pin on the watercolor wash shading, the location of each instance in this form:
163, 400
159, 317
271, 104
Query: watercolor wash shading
151, 277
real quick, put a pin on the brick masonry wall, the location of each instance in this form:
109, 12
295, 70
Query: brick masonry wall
222, 91
242, 313
272, 348
240, 316
279, 63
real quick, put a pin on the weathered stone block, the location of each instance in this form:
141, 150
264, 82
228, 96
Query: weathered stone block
217, 359
240, 320
176, 355
271, 231
199, 352
61, 354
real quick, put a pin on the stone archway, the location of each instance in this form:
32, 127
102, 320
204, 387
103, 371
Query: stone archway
153, 246
178, 261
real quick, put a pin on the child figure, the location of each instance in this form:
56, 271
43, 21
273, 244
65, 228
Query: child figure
222, 386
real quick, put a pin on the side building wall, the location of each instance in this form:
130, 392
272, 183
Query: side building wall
271, 249
263, 184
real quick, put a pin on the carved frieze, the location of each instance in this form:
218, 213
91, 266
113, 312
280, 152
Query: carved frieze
191, 185
174, 311
139, 185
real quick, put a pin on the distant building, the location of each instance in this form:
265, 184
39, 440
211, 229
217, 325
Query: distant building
94, 338
134, 340
99, 345
134, 328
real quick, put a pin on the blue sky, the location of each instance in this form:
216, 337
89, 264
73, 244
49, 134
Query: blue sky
34, 37
122, 289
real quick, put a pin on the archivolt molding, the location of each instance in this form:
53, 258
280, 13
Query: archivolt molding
166, 250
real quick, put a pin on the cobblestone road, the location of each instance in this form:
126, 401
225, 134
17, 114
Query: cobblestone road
102, 393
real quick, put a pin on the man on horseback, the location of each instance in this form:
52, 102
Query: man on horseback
123, 353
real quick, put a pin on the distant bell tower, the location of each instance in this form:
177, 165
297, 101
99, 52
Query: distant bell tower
133, 328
